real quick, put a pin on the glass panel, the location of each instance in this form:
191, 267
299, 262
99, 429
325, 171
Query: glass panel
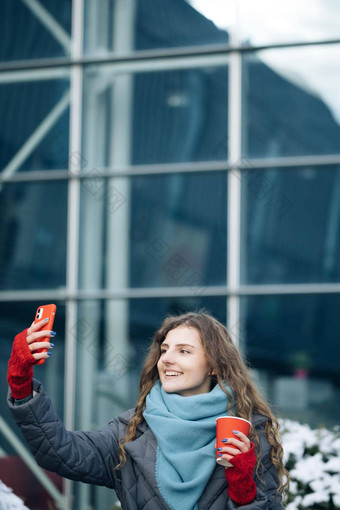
291, 225
35, 129
154, 231
30, 30
33, 235
266, 22
132, 25
292, 343
164, 117
15, 317
291, 104
112, 341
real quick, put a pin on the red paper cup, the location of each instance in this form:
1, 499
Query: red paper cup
224, 429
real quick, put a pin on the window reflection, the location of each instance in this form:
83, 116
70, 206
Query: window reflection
291, 225
34, 134
42, 29
169, 116
292, 343
174, 235
153, 24
33, 235
290, 102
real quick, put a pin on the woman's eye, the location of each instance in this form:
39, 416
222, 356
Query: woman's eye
184, 350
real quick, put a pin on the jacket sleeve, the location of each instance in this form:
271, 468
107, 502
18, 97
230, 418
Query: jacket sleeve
88, 457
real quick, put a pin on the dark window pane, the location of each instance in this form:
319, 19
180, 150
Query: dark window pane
173, 228
147, 118
148, 24
35, 129
180, 116
293, 344
291, 225
178, 230
290, 102
29, 33
33, 220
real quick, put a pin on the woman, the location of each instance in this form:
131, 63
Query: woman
161, 454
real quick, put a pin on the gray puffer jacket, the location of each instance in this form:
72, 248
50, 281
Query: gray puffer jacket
92, 456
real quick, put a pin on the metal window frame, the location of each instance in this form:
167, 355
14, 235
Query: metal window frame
295, 163
146, 56
66, 295
50, 23
234, 181
73, 223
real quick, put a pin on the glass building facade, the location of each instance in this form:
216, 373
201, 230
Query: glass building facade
162, 156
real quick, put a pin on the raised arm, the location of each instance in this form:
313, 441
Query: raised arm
86, 456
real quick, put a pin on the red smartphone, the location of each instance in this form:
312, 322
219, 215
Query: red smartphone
45, 312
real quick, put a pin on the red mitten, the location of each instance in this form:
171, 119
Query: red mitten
20, 367
242, 487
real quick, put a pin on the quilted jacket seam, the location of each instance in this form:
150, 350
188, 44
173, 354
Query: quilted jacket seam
108, 474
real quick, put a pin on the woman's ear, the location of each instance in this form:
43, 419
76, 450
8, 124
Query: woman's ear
212, 372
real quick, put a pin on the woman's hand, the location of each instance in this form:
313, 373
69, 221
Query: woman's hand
242, 444
24, 357
33, 339
241, 484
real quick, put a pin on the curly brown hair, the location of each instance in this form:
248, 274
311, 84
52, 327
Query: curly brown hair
228, 365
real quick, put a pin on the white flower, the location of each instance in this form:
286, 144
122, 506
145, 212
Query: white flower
315, 497
8, 500
315, 457
294, 504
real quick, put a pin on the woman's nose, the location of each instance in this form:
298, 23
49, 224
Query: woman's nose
167, 357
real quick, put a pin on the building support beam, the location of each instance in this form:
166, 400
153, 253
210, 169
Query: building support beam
50, 23
36, 137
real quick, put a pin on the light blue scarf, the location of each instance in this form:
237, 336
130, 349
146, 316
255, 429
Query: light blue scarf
185, 429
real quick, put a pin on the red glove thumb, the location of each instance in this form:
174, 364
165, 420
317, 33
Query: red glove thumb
20, 367
242, 487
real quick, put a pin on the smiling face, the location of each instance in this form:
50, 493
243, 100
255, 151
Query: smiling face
183, 367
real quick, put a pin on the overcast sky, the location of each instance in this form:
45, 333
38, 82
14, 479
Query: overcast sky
265, 21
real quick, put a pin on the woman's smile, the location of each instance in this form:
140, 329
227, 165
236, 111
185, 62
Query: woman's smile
170, 373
